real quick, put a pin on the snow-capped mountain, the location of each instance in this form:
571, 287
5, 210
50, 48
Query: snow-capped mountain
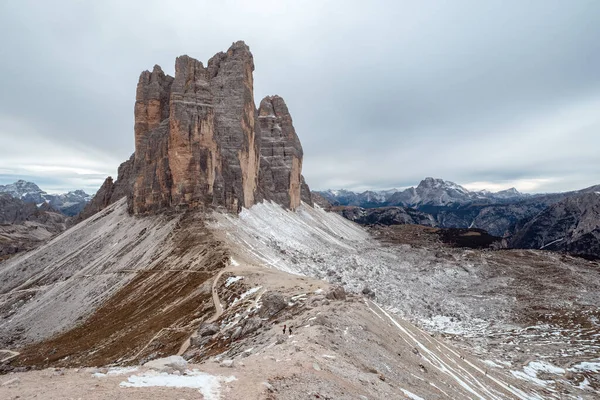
26, 191
70, 203
430, 191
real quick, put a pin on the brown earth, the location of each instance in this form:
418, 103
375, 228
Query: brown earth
147, 318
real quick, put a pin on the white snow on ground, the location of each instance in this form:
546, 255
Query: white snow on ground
551, 243
451, 292
247, 293
586, 366
208, 385
542, 366
530, 378
492, 364
410, 395
115, 371
584, 384
531, 370
232, 279
463, 377
234, 263
445, 324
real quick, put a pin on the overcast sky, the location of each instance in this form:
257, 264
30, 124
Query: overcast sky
488, 94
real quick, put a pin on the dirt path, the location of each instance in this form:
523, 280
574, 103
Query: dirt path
218, 310
215, 295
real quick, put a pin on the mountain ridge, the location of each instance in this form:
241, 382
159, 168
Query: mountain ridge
430, 191
70, 203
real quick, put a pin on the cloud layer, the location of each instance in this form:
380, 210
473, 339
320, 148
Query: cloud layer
487, 94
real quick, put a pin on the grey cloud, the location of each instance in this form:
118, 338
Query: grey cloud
382, 93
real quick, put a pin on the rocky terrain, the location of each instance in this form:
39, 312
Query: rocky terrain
571, 225
564, 222
497, 304
500, 329
445, 204
69, 204
24, 226
385, 216
206, 269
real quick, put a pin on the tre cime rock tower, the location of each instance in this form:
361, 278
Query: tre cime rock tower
201, 141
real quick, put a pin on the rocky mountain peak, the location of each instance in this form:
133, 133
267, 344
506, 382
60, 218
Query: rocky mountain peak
199, 141
571, 225
70, 203
436, 183
281, 153
509, 192
25, 190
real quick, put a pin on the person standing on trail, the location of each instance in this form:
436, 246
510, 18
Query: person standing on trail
284, 326
290, 330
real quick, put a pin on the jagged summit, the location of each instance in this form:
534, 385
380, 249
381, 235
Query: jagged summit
281, 153
429, 192
70, 203
199, 141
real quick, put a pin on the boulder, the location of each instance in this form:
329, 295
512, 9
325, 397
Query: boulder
368, 292
208, 329
272, 303
336, 293
250, 325
281, 339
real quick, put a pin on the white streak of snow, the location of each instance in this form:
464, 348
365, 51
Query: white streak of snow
208, 385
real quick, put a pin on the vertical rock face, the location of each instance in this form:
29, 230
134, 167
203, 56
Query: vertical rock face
305, 193
151, 104
200, 147
281, 154
198, 140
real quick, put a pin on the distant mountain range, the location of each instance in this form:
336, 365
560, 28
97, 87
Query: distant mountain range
69, 204
430, 192
24, 226
567, 222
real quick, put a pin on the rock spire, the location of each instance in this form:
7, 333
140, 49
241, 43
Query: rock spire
201, 141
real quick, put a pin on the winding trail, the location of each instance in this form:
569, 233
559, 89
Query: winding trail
218, 311
215, 296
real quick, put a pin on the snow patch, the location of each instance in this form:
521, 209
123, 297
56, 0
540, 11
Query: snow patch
526, 377
246, 294
531, 370
541, 366
232, 279
586, 367
410, 395
208, 385
585, 384
492, 364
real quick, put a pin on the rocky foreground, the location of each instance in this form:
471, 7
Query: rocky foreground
226, 321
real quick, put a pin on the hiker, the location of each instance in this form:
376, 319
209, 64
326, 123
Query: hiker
284, 326
290, 330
